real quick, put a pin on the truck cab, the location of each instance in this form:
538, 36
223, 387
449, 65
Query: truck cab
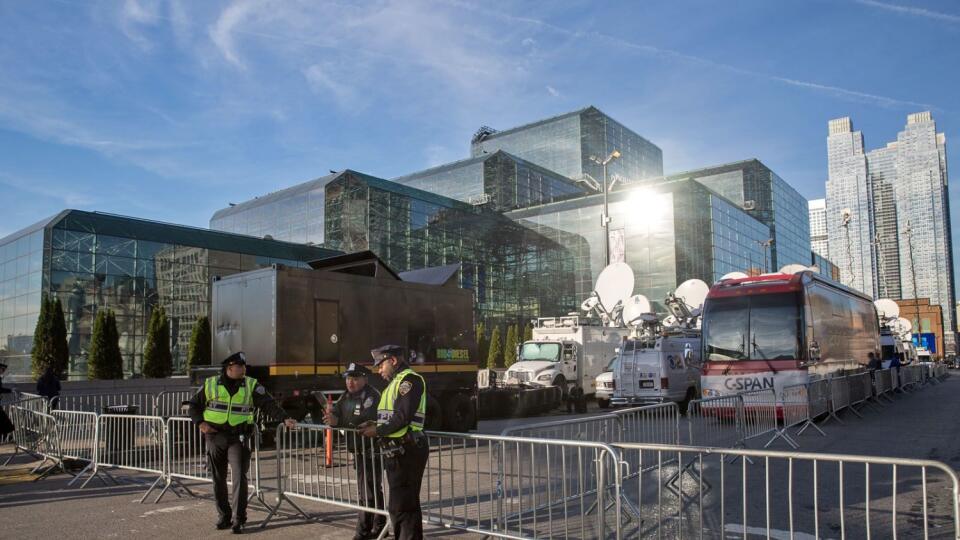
566, 352
657, 370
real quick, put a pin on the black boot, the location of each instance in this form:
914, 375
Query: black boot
238, 527
223, 524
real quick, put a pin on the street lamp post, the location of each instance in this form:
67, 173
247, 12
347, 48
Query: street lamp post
765, 244
605, 218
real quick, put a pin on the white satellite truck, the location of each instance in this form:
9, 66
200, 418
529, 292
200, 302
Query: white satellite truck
570, 352
896, 339
660, 360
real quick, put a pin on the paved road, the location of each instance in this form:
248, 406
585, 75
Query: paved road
919, 425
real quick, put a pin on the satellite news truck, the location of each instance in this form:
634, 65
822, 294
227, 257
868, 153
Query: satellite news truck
566, 352
300, 329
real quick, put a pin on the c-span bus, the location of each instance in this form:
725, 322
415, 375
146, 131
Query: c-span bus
776, 330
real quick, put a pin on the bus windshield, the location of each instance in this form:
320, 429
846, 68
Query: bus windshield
540, 351
760, 327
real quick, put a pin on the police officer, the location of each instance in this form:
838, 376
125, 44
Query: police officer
223, 409
401, 415
357, 405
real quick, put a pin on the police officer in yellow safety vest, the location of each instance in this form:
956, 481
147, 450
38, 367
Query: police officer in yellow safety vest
223, 409
401, 415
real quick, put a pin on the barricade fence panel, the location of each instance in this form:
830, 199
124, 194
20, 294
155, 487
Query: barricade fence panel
318, 463
97, 403
789, 495
857, 393
134, 443
820, 398
659, 424
171, 403
77, 432
185, 454
602, 427
795, 404
839, 394
714, 422
758, 414
522, 488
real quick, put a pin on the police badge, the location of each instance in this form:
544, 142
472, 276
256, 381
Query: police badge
405, 387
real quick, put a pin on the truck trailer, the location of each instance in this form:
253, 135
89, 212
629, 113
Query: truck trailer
300, 328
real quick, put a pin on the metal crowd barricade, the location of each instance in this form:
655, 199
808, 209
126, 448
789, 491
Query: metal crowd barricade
882, 384
819, 393
839, 397
759, 417
35, 434
714, 422
169, 403
796, 404
134, 443
791, 495
659, 424
861, 390
186, 459
303, 474
33, 402
96, 403
77, 433
601, 427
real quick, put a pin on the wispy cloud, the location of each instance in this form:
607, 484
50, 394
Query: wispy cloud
673, 55
63, 195
553, 91
910, 10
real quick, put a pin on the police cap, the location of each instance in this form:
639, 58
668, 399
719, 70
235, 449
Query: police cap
236, 358
382, 353
356, 370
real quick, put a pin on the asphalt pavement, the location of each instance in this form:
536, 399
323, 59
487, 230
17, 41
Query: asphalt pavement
922, 424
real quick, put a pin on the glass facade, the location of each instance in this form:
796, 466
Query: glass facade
850, 194
292, 215
94, 261
923, 218
882, 169
671, 232
818, 226
824, 266
503, 181
768, 198
514, 274
563, 144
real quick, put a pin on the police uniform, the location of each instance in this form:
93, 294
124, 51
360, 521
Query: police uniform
228, 405
401, 415
351, 410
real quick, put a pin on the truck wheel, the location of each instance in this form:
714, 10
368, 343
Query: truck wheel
561, 383
461, 416
691, 395
603, 403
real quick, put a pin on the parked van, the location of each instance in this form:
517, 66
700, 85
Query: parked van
658, 369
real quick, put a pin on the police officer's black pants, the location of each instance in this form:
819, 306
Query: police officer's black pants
221, 450
405, 474
370, 490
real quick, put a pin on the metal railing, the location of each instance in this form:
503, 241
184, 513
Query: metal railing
170, 403
789, 495
76, 433
97, 403
134, 443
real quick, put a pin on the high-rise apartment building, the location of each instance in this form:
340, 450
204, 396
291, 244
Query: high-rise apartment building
896, 235
817, 210
849, 213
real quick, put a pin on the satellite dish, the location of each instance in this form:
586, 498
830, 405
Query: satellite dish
901, 326
589, 304
635, 307
693, 292
614, 285
733, 275
887, 308
649, 317
793, 269
669, 321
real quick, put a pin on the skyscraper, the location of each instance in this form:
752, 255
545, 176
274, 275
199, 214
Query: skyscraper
896, 241
818, 226
923, 218
849, 213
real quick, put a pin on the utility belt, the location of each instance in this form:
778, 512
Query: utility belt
393, 447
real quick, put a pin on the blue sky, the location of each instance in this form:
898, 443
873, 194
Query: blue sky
169, 110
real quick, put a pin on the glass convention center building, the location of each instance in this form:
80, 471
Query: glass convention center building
522, 215
92, 261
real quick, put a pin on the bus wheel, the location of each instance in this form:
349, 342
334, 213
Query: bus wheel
685, 404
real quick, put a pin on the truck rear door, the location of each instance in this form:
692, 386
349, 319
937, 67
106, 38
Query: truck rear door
326, 316
647, 370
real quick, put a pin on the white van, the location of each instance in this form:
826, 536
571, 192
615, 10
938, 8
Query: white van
606, 384
657, 370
